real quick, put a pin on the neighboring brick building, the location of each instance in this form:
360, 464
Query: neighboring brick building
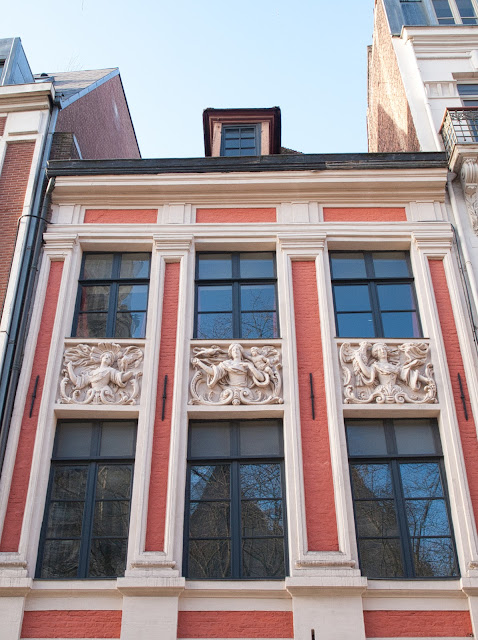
80, 114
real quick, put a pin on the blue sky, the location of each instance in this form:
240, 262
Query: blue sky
308, 57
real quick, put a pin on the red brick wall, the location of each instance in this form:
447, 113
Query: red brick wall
455, 367
158, 485
317, 469
418, 624
122, 216
362, 214
236, 215
235, 624
101, 130
71, 624
13, 184
2, 125
21, 473
389, 119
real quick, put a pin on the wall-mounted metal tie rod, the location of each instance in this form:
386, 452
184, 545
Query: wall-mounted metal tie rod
164, 396
34, 395
312, 397
462, 396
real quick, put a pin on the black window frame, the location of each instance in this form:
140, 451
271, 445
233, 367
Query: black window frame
257, 139
114, 283
92, 463
236, 537
394, 459
373, 282
235, 282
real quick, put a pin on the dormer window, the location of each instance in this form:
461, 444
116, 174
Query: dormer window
455, 11
241, 140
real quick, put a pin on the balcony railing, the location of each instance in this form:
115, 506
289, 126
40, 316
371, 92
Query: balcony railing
459, 126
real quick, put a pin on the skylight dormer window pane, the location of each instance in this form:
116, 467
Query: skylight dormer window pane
240, 140
443, 12
467, 12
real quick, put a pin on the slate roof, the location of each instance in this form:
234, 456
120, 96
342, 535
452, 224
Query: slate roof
68, 83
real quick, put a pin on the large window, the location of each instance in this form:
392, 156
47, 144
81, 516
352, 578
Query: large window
401, 507
374, 295
455, 11
241, 140
112, 296
235, 513
236, 296
85, 528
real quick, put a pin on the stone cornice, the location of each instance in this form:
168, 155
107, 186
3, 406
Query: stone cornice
26, 97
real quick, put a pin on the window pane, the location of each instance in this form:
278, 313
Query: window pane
262, 517
209, 520
91, 325
130, 325
132, 297
114, 481
263, 558
258, 297
443, 11
214, 266
98, 266
413, 436
65, 519
117, 439
421, 480
134, 265
261, 324
395, 297
376, 518
467, 89
348, 265
403, 324
366, 438
209, 559
60, 559
107, 558
215, 298
355, 325
427, 518
257, 265
209, 482
214, 326
210, 440
371, 481
465, 7
69, 483
381, 558
259, 438
352, 298
73, 439
390, 264
434, 557
261, 481
94, 298
111, 518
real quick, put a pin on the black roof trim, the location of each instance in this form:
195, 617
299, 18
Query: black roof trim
286, 162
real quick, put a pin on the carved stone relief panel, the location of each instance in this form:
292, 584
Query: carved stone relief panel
236, 375
104, 373
387, 373
469, 181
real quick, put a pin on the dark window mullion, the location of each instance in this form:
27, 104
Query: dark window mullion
112, 310
87, 524
236, 310
236, 525
376, 312
405, 542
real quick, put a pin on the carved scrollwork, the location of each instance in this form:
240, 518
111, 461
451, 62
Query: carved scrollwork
387, 374
236, 376
469, 181
104, 373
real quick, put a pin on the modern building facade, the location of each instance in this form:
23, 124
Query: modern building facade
81, 114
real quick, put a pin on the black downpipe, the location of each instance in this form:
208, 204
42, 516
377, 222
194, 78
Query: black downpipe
20, 319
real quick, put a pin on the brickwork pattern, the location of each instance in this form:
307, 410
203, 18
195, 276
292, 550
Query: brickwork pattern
21, 473
235, 624
317, 468
236, 215
71, 624
13, 184
158, 485
63, 147
389, 119
2, 125
417, 624
369, 214
121, 216
455, 367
